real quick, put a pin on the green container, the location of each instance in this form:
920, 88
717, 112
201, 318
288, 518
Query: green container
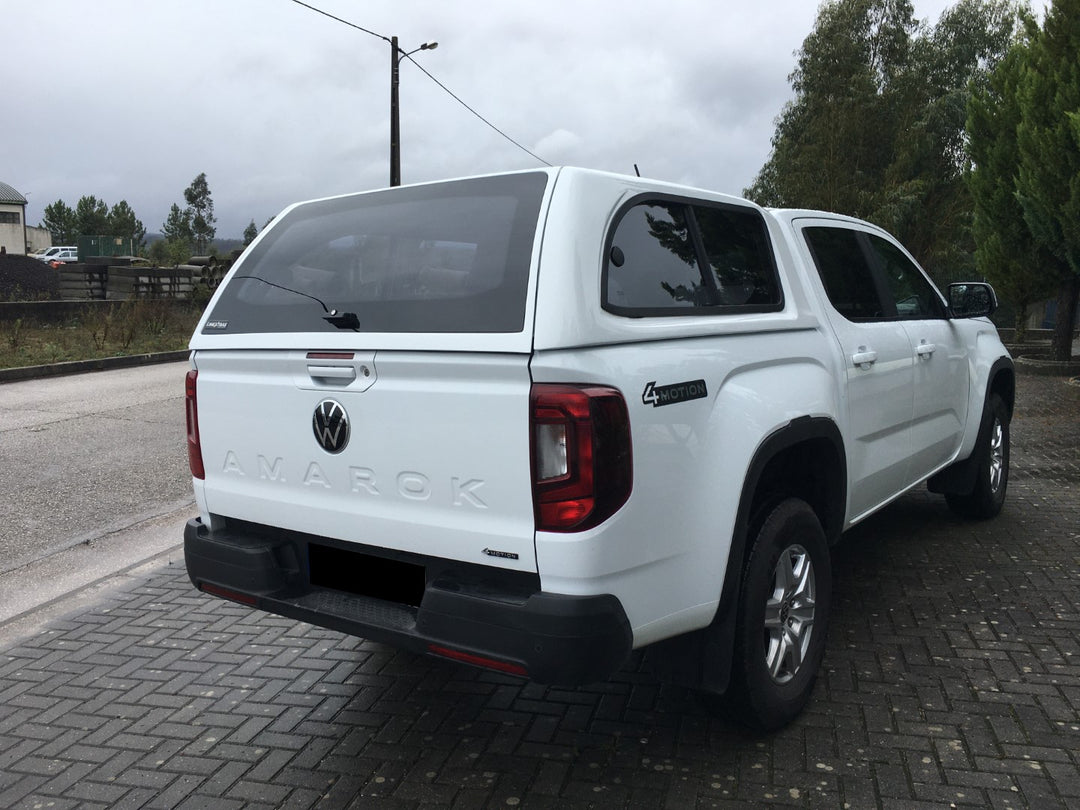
104, 246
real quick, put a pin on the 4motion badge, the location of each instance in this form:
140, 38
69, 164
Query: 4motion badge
331, 426
660, 395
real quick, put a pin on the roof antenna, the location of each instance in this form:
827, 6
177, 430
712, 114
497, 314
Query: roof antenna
636, 170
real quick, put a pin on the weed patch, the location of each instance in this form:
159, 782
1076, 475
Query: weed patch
136, 326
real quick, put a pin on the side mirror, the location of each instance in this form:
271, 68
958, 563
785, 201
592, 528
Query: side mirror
971, 299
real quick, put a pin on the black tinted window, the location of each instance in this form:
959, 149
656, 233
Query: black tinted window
739, 256
845, 273
912, 295
669, 257
449, 257
653, 263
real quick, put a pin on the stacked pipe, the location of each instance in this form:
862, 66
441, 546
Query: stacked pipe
207, 270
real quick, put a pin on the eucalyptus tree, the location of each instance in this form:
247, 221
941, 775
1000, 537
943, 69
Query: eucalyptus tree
876, 127
200, 206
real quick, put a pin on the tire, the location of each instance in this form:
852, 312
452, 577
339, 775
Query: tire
783, 617
991, 458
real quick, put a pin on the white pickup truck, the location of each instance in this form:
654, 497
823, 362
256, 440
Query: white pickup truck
535, 421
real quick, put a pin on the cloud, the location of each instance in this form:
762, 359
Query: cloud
559, 146
276, 104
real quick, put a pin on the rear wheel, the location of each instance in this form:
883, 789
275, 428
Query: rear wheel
992, 466
783, 617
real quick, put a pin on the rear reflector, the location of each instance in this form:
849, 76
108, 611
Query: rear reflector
194, 448
508, 667
581, 455
225, 593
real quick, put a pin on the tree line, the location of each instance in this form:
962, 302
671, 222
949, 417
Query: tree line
1024, 131
963, 139
93, 217
186, 231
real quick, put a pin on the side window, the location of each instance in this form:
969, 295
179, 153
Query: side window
739, 255
668, 257
652, 263
914, 296
845, 273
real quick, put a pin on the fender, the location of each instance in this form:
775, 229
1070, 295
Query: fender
702, 659
959, 478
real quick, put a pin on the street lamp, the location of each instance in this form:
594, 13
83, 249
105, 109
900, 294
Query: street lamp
396, 55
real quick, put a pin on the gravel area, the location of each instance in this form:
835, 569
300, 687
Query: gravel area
25, 279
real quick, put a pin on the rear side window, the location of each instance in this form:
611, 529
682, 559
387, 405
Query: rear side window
674, 257
448, 257
739, 256
845, 273
654, 261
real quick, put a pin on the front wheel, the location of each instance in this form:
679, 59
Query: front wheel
783, 617
991, 457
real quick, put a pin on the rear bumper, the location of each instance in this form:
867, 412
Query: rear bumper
476, 614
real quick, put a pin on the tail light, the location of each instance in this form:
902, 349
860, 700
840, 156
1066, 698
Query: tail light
194, 448
581, 455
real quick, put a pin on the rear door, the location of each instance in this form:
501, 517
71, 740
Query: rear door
363, 374
878, 365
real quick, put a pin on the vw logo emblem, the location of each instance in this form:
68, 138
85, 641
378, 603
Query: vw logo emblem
331, 426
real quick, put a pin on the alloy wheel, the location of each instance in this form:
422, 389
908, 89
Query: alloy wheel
789, 614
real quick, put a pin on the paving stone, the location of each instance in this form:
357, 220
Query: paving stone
952, 677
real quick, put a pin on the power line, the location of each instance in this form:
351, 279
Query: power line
338, 19
474, 112
442, 86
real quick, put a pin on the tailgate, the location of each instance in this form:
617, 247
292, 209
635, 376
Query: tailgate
433, 458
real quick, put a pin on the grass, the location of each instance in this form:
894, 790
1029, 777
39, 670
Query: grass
136, 326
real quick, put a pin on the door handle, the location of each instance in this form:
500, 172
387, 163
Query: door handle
864, 357
925, 349
335, 373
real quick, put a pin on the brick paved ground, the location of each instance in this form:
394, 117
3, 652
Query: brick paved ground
952, 679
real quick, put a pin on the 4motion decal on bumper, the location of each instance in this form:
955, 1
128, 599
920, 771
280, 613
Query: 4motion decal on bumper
506, 555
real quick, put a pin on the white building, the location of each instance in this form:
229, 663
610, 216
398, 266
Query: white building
12, 220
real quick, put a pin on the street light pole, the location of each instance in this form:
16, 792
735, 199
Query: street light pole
395, 124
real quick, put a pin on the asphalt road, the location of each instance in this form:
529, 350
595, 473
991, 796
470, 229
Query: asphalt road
85, 457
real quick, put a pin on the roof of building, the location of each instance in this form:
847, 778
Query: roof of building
9, 196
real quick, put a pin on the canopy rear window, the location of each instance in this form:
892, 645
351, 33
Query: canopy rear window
447, 257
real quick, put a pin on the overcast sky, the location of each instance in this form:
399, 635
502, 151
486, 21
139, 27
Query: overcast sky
131, 99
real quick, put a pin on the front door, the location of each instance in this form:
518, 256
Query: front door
940, 358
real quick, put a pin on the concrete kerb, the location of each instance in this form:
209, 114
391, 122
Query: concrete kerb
98, 364
1050, 368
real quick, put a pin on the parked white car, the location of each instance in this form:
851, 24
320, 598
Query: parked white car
58, 253
535, 421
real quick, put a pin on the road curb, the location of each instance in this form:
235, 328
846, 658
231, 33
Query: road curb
82, 366
41, 586
1049, 368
